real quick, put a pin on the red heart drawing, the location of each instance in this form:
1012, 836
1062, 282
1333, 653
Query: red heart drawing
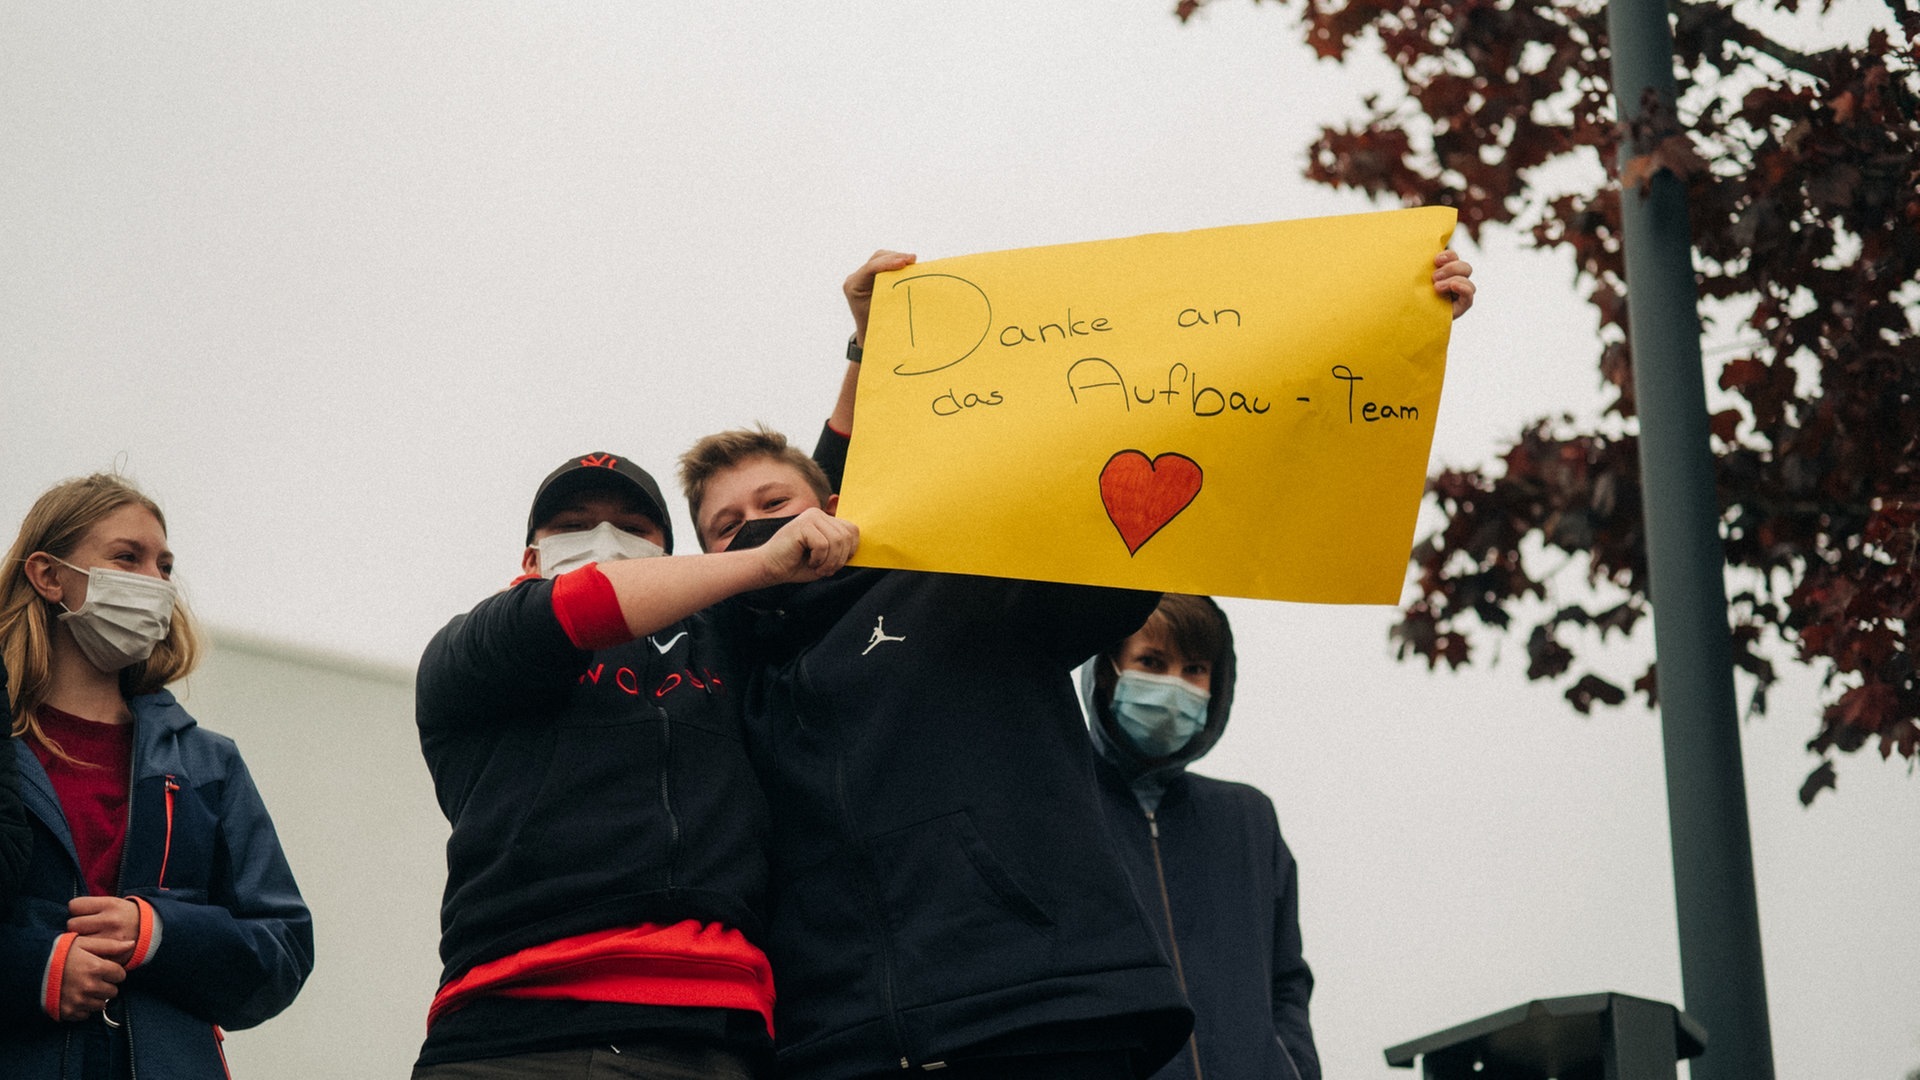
1141, 496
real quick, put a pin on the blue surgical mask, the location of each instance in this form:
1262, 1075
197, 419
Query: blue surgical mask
1159, 714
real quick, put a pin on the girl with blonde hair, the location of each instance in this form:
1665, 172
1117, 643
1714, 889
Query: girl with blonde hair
157, 907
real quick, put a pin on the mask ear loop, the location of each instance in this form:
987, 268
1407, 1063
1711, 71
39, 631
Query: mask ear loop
61, 604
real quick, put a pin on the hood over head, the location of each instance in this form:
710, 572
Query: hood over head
1096, 692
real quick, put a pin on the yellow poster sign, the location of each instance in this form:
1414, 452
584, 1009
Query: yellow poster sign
1242, 411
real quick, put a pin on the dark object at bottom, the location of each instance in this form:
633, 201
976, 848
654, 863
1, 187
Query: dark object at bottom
1587, 1037
665, 1059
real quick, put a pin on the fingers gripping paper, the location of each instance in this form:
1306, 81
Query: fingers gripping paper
1243, 411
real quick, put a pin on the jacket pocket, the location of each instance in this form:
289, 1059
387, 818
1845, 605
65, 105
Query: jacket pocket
598, 818
960, 920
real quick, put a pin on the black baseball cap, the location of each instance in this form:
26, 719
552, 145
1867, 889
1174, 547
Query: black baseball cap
594, 470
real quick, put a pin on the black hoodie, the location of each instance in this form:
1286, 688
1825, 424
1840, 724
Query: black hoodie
1207, 858
944, 888
587, 791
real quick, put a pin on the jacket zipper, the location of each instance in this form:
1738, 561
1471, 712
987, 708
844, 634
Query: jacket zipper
873, 893
1173, 942
666, 770
120, 886
865, 861
126, 1023
166, 850
66, 1046
126, 846
666, 794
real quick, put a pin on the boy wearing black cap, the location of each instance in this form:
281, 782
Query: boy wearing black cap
605, 875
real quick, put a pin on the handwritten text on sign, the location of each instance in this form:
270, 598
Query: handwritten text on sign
1243, 411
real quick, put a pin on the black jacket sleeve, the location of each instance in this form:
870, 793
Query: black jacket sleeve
1292, 979
1070, 623
831, 453
238, 958
16, 836
507, 656
506, 660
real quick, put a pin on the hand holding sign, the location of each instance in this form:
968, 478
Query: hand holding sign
1242, 411
1450, 280
859, 286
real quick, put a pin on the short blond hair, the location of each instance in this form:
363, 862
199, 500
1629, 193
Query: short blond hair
717, 453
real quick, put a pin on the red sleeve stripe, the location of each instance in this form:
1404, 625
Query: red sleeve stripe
143, 939
56, 973
588, 610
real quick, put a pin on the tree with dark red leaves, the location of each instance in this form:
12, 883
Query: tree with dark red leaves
1802, 172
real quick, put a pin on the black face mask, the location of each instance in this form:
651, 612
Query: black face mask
757, 532
754, 534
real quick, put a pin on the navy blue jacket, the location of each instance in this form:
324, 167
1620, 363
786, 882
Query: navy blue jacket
944, 887
1208, 861
236, 942
16, 834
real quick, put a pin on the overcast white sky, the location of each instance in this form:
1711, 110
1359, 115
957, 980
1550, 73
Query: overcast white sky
339, 282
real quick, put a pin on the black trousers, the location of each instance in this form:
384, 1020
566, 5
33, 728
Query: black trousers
627, 1061
1084, 1065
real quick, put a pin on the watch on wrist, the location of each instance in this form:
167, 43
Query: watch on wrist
853, 348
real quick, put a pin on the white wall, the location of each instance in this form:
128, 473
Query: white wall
331, 743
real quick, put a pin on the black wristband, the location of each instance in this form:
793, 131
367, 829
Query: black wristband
853, 349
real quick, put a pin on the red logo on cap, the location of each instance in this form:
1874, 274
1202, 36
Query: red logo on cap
605, 461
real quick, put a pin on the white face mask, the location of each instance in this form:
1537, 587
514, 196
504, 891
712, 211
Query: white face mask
125, 616
605, 542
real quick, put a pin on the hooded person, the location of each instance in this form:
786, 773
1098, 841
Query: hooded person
1208, 863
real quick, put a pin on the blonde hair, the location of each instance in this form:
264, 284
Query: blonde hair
58, 522
717, 453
